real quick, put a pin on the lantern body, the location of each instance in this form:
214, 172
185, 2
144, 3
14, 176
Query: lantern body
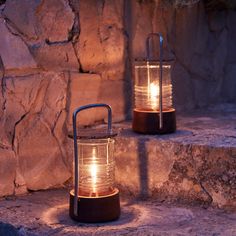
146, 114
96, 167
94, 197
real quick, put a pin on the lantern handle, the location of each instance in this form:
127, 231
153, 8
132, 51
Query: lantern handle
159, 35
76, 169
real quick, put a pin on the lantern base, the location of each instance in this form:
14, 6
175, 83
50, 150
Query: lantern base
96, 209
147, 122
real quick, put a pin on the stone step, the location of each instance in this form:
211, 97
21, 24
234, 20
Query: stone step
47, 213
195, 164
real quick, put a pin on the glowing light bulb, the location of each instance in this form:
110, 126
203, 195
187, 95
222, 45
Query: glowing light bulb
154, 94
94, 171
154, 90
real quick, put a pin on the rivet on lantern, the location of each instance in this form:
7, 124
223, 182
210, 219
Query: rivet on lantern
94, 197
153, 108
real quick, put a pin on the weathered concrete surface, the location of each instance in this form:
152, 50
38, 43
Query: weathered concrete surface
197, 163
46, 213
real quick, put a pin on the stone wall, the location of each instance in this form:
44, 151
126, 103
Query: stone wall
56, 55
202, 43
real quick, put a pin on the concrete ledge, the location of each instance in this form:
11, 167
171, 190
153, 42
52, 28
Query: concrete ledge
195, 164
47, 213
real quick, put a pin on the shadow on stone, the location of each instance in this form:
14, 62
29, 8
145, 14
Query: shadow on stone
143, 168
60, 215
8, 230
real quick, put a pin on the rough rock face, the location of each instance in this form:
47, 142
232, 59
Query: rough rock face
46, 212
41, 128
198, 40
196, 164
102, 43
7, 171
57, 55
84, 89
13, 51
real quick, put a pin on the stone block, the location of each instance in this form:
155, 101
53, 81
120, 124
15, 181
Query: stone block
40, 158
102, 43
84, 89
217, 20
33, 122
195, 164
21, 15
18, 95
229, 83
38, 20
54, 20
116, 95
182, 88
57, 57
14, 53
141, 26
231, 47
7, 172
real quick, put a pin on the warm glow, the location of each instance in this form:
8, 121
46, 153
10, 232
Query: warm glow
154, 90
154, 94
94, 171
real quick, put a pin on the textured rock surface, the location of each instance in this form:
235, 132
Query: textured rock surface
55, 20
197, 39
197, 163
23, 19
58, 55
84, 89
46, 213
13, 51
43, 166
34, 115
102, 43
7, 171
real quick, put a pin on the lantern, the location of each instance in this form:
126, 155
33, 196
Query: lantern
153, 108
94, 197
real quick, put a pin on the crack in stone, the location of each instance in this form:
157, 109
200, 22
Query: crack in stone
3, 84
75, 32
206, 192
14, 131
15, 149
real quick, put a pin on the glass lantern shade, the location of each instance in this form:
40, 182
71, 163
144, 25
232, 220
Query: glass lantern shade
94, 197
96, 167
146, 86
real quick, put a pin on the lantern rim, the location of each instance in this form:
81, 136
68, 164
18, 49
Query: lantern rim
114, 192
93, 134
164, 61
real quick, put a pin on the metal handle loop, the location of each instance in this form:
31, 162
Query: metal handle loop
76, 162
151, 35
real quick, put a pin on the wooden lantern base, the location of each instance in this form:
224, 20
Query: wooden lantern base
96, 209
147, 122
